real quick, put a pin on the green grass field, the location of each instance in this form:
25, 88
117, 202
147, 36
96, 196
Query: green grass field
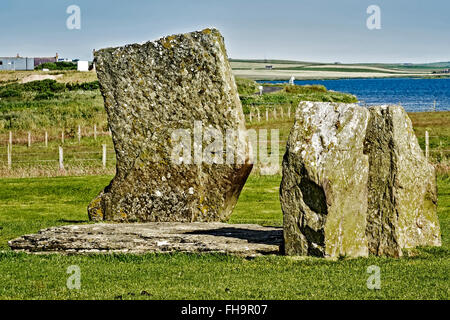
27, 205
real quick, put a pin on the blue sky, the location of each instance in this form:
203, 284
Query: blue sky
319, 30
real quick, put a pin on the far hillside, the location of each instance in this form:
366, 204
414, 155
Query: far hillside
301, 70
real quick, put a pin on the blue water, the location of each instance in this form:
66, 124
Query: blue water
412, 94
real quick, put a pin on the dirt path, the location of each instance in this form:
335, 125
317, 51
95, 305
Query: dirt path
36, 77
271, 89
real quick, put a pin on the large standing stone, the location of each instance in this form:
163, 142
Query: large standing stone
355, 182
150, 90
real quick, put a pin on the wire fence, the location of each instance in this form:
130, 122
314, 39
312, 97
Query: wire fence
42, 137
271, 112
102, 157
76, 148
68, 151
412, 107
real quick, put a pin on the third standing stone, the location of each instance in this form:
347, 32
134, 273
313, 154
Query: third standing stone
355, 182
181, 83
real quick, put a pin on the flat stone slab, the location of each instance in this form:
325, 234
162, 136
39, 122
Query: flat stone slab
160, 237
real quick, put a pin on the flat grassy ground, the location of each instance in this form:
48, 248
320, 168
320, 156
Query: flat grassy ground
28, 205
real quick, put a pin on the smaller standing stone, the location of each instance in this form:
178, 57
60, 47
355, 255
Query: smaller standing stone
402, 202
355, 182
324, 187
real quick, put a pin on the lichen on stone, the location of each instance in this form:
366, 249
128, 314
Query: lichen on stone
355, 182
150, 90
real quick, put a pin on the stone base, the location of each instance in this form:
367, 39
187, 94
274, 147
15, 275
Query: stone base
243, 240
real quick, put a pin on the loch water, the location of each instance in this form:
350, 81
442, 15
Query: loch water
415, 95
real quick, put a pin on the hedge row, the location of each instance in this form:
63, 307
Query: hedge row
44, 89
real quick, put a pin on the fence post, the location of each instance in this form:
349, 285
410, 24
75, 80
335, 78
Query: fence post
46, 139
259, 115
267, 115
61, 159
289, 112
10, 137
95, 132
104, 156
9, 155
282, 112
427, 144
275, 113
79, 133
29, 139
62, 136
251, 116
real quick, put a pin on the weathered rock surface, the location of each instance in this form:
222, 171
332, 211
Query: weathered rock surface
150, 90
324, 186
140, 238
355, 182
402, 188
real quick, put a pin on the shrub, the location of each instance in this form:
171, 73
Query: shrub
57, 66
47, 85
305, 89
274, 98
246, 86
2, 82
46, 110
46, 95
292, 95
8, 93
86, 86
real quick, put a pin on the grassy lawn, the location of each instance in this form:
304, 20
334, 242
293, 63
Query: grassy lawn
27, 205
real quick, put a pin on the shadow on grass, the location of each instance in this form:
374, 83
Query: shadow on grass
73, 221
270, 237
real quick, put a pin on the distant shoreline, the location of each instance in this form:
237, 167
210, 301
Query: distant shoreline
283, 70
279, 78
414, 94
353, 78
